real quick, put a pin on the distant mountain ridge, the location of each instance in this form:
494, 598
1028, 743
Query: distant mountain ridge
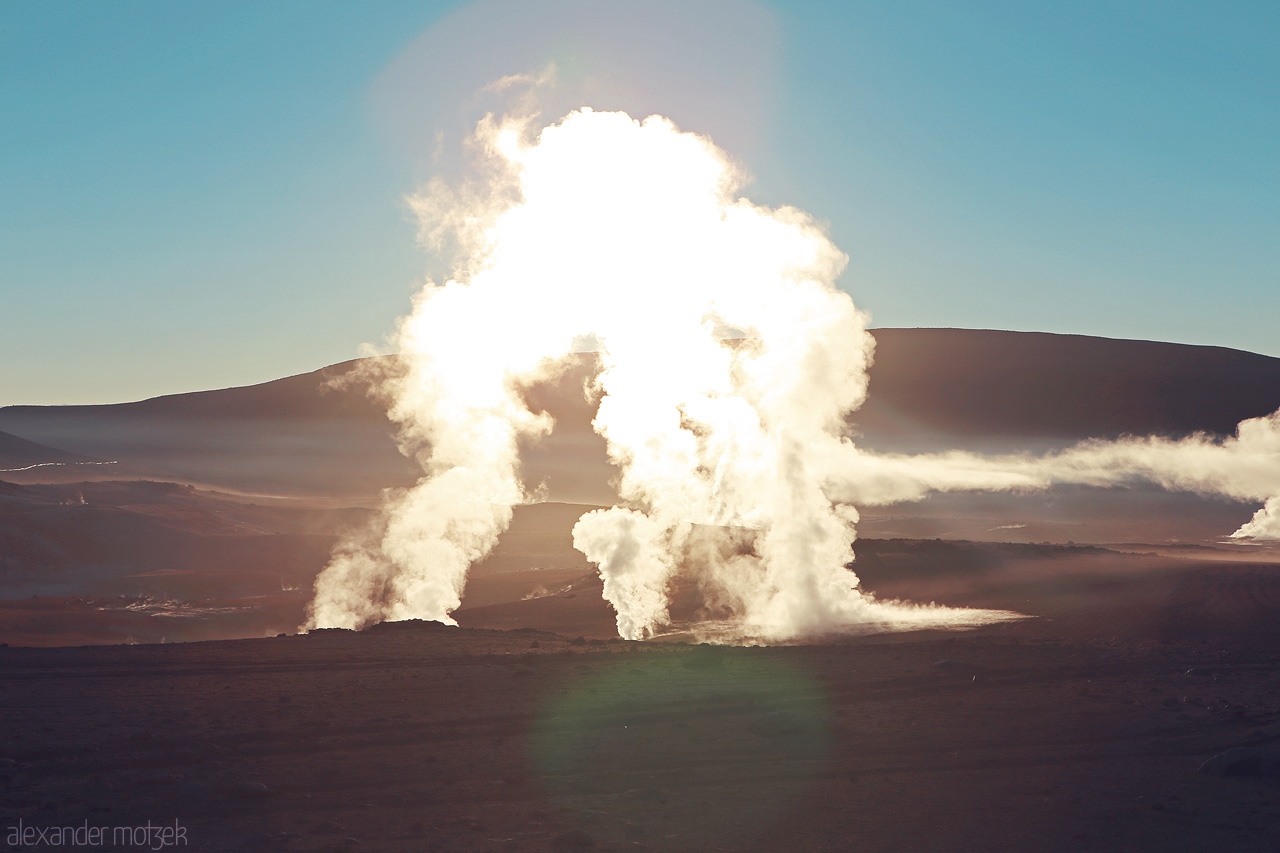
18, 453
300, 434
965, 387
318, 395
929, 389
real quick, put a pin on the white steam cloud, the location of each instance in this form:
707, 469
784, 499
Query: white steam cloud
1245, 466
1265, 523
729, 360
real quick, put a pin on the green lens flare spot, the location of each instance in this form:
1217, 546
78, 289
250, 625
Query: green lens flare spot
681, 745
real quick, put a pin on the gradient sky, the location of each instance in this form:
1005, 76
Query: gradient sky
202, 195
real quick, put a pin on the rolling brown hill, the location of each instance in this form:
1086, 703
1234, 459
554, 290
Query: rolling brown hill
296, 435
977, 389
17, 454
930, 388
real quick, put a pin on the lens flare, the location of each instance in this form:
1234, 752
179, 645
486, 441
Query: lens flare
698, 741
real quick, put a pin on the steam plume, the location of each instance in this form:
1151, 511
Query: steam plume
728, 362
1245, 466
1265, 523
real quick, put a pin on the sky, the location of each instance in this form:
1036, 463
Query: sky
201, 195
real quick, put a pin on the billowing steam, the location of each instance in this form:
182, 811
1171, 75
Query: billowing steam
729, 360
1265, 523
1245, 466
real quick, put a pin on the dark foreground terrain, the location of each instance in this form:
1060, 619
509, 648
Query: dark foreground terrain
414, 736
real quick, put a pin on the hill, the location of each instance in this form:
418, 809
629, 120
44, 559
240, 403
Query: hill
978, 388
297, 435
929, 389
17, 454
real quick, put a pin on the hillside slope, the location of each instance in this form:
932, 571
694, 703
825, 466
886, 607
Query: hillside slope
18, 454
929, 389
977, 388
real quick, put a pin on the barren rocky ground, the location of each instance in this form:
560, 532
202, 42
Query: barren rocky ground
422, 737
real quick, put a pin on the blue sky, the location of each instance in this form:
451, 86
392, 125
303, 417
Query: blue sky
196, 195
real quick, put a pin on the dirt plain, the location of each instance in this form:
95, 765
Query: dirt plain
417, 736
532, 727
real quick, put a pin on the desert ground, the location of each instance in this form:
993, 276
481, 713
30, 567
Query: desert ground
156, 560
423, 737
532, 727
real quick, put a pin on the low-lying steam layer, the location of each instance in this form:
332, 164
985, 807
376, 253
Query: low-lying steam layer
1245, 466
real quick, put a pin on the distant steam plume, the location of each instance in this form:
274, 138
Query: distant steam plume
1265, 523
729, 360
1245, 466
